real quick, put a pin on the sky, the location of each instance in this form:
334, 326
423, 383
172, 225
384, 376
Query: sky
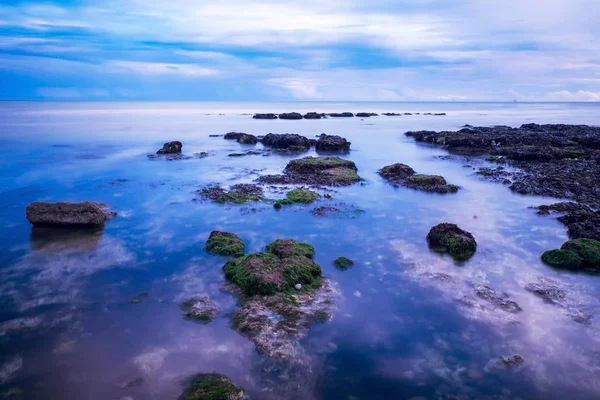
301, 50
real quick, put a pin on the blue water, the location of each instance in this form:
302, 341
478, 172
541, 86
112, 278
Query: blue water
400, 329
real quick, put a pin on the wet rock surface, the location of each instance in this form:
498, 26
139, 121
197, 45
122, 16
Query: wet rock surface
265, 116
403, 175
341, 115
200, 309
66, 214
211, 386
556, 160
332, 144
225, 244
171, 148
313, 115
292, 115
287, 142
449, 238
366, 115
237, 194
499, 300
326, 171
247, 139
581, 220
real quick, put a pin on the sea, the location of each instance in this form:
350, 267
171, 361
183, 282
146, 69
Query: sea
407, 322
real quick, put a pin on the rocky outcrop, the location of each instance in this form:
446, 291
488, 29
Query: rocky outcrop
265, 116
449, 238
292, 115
211, 387
328, 171
286, 142
65, 214
343, 263
577, 254
341, 115
581, 220
332, 144
225, 244
403, 175
313, 115
241, 137
171, 148
366, 115
237, 194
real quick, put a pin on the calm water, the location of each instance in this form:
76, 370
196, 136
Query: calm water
407, 322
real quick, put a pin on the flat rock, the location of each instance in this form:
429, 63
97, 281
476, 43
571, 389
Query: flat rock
403, 175
287, 142
67, 214
292, 115
265, 116
328, 171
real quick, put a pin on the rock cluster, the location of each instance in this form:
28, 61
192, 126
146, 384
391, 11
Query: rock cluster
403, 175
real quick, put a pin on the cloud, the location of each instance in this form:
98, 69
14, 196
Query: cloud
155, 68
580, 95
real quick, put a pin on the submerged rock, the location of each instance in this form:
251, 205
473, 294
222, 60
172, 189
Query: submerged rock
225, 244
301, 196
392, 114
265, 116
332, 144
200, 309
292, 115
403, 175
287, 142
212, 387
65, 214
499, 300
449, 238
549, 292
330, 171
238, 194
343, 263
171, 148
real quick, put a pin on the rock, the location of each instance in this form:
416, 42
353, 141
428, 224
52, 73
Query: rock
547, 291
392, 114
341, 115
366, 115
298, 286
264, 116
65, 214
213, 136
564, 259
288, 142
238, 194
332, 144
285, 264
313, 115
140, 298
449, 238
225, 244
403, 175
292, 115
237, 155
301, 196
202, 154
200, 309
511, 362
212, 387
247, 139
581, 220
233, 135
343, 263
329, 171
171, 148
339, 211
499, 300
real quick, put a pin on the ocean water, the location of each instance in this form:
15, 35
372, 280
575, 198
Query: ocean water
407, 322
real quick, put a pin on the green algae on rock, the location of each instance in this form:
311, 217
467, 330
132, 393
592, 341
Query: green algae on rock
301, 196
449, 238
403, 175
343, 263
237, 194
200, 309
212, 387
225, 244
329, 171
284, 248
566, 259
587, 249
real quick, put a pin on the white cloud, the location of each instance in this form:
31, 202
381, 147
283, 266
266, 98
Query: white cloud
580, 95
155, 68
71, 93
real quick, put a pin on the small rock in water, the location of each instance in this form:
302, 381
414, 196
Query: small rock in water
298, 286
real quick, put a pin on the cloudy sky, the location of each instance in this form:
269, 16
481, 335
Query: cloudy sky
378, 50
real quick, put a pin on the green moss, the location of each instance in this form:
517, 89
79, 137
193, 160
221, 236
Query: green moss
297, 196
321, 316
255, 273
562, 259
425, 180
587, 249
343, 263
236, 198
225, 244
450, 239
211, 387
453, 188
288, 247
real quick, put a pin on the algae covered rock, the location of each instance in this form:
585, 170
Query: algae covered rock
66, 214
403, 175
171, 148
343, 263
332, 144
292, 115
286, 142
211, 387
285, 264
233, 135
199, 309
329, 171
587, 249
238, 194
449, 238
566, 259
225, 244
301, 196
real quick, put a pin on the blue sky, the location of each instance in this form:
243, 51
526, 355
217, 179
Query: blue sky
386, 50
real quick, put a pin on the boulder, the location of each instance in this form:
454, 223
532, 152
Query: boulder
403, 175
343, 263
330, 171
302, 196
289, 142
341, 115
292, 115
225, 244
313, 115
247, 139
564, 259
212, 387
332, 144
233, 135
171, 148
67, 214
366, 115
265, 116
449, 238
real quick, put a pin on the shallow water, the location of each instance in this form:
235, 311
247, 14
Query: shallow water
407, 322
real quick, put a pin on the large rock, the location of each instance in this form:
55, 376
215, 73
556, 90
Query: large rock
233, 135
329, 171
171, 148
313, 115
366, 115
265, 116
403, 175
212, 387
289, 142
225, 244
247, 139
332, 144
575, 254
449, 238
67, 214
341, 115
292, 115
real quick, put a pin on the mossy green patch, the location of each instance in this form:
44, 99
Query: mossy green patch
450, 239
284, 248
225, 244
566, 259
587, 249
211, 387
343, 263
302, 196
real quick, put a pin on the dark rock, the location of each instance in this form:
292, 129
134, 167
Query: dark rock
238, 194
264, 116
499, 300
328, 171
236, 155
289, 142
68, 214
171, 148
366, 115
581, 220
233, 135
292, 115
449, 238
341, 115
211, 387
343, 263
215, 135
247, 139
200, 309
439, 114
403, 175
511, 362
201, 154
547, 291
139, 298
392, 114
313, 115
225, 244
332, 144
